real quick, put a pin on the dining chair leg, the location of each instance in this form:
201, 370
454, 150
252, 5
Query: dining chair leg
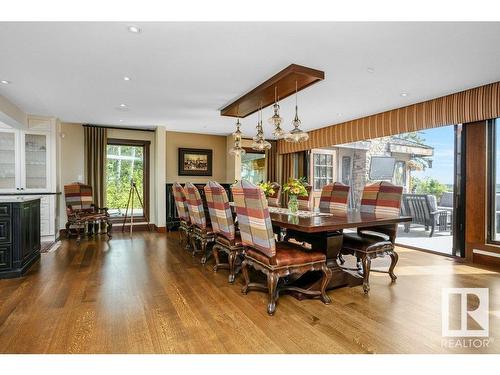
215, 253
272, 284
203, 251
232, 264
366, 263
181, 236
325, 280
193, 245
246, 277
394, 260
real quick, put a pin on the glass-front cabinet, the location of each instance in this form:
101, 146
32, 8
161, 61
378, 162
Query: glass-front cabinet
9, 160
24, 161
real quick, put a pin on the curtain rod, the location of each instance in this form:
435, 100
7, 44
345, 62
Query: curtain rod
117, 128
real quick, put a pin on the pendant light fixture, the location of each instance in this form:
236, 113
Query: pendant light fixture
296, 134
237, 150
276, 120
259, 143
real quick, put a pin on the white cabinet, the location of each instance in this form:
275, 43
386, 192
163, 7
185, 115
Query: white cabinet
25, 161
28, 165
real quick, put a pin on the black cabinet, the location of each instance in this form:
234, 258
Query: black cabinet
172, 221
19, 235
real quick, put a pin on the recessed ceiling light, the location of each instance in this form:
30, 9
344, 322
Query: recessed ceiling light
5, 82
120, 120
370, 70
123, 105
404, 94
126, 78
134, 29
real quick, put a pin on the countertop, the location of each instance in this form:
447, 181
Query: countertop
14, 199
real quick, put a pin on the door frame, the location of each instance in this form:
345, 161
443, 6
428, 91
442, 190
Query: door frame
146, 175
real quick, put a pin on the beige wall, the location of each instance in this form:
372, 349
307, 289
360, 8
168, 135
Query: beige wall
71, 165
176, 140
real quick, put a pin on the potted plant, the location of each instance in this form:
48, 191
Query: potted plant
295, 188
267, 188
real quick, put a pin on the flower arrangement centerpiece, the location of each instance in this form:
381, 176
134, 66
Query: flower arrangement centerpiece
295, 188
267, 188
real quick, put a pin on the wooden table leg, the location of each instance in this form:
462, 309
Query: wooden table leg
330, 242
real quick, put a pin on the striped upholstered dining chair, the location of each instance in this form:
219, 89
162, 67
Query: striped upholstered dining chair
381, 198
334, 197
334, 200
227, 238
306, 202
275, 199
263, 253
202, 231
182, 210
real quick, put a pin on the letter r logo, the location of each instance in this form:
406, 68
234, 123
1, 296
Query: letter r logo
472, 318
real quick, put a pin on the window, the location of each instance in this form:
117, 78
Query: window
381, 168
494, 173
253, 167
322, 170
126, 163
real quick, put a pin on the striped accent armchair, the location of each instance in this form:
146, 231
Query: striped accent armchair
202, 231
82, 214
182, 210
226, 237
380, 198
334, 197
275, 259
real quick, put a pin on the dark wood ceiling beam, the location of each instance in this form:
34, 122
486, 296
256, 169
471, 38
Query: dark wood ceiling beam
263, 95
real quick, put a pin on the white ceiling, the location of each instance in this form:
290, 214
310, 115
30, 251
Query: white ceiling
183, 73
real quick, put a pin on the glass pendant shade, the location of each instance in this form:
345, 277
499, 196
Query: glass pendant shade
296, 134
237, 150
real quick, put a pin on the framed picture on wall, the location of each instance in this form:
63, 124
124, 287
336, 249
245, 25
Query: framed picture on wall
195, 162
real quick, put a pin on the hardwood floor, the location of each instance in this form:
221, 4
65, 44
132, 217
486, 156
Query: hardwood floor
147, 295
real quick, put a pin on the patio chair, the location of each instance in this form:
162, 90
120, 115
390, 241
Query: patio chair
83, 215
424, 211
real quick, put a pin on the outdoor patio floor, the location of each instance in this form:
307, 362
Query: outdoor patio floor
441, 242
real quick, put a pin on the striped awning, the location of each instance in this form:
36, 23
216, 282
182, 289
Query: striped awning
480, 103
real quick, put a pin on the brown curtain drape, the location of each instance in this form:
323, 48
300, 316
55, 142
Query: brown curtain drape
287, 172
480, 103
302, 164
95, 161
272, 162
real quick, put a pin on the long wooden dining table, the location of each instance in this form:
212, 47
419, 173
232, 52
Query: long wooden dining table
323, 230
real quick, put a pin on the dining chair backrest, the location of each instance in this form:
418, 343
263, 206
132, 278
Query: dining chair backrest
219, 210
254, 220
274, 200
334, 197
180, 202
306, 202
195, 206
382, 198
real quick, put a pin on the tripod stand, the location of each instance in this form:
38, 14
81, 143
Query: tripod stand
132, 192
